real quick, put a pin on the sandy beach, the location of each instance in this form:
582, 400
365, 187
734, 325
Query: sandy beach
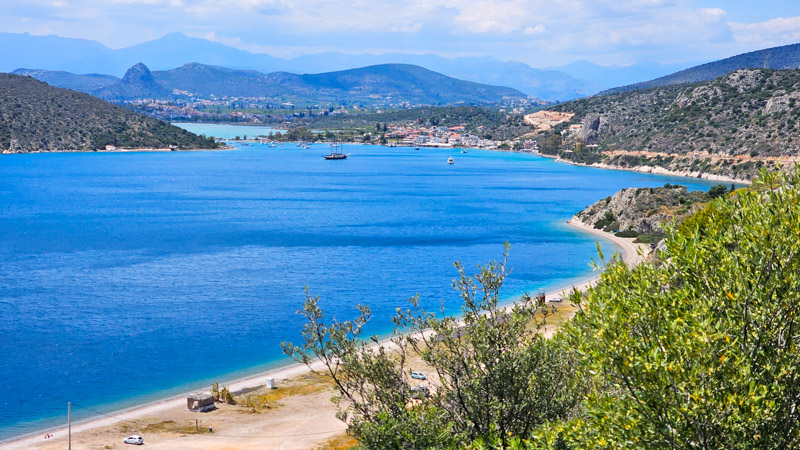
302, 419
655, 171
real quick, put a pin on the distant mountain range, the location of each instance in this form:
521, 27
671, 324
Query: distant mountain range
784, 57
37, 117
381, 84
175, 49
567, 82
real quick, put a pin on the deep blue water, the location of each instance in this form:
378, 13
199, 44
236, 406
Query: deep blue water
129, 276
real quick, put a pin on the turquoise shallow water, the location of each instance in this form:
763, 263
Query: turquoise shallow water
128, 277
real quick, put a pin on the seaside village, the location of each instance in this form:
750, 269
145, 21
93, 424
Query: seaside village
438, 136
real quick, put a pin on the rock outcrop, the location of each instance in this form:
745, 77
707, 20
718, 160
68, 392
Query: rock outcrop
643, 210
138, 82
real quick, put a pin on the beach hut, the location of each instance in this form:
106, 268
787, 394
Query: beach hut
200, 402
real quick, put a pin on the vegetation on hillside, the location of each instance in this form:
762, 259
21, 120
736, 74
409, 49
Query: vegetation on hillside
731, 126
383, 84
697, 348
38, 117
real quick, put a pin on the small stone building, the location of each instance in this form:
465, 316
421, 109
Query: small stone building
200, 402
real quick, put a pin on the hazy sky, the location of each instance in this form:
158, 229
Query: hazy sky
541, 33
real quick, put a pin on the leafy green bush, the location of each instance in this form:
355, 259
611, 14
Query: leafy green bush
627, 234
717, 191
612, 227
701, 350
605, 221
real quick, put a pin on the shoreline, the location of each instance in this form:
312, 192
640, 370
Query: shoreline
124, 150
629, 252
653, 170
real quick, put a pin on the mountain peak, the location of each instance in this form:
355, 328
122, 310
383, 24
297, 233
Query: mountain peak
138, 82
138, 73
175, 36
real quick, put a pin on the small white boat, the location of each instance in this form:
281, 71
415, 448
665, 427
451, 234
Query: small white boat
450, 160
463, 151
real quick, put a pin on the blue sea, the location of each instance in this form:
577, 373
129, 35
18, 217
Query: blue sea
127, 277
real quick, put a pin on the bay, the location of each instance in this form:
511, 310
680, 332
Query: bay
127, 277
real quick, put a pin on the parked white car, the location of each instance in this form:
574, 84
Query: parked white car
418, 376
556, 300
135, 439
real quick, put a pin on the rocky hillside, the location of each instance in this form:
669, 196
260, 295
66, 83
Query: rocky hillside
643, 212
729, 127
37, 117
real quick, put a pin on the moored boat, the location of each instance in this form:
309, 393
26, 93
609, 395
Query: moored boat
336, 152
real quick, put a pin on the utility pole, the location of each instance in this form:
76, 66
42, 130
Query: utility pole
69, 425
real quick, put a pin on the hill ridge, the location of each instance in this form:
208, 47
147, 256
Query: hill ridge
400, 83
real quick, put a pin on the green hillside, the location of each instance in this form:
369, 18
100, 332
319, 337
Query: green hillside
37, 117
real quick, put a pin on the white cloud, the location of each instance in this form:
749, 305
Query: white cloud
783, 30
538, 29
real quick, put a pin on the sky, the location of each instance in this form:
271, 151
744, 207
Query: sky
538, 32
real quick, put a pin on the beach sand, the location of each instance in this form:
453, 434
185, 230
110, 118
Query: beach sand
306, 419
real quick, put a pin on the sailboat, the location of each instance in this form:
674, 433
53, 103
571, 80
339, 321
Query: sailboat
336, 152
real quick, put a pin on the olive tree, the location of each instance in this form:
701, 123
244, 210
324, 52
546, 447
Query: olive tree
494, 376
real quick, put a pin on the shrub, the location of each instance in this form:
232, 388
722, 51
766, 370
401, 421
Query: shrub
717, 191
699, 351
627, 234
649, 238
613, 226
